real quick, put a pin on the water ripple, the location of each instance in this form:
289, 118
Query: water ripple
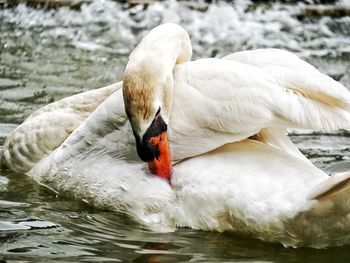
50, 54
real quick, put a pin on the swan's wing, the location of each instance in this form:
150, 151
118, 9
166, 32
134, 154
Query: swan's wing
278, 138
222, 101
46, 129
295, 74
105, 131
103, 141
271, 57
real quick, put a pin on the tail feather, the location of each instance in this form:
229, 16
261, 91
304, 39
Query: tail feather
325, 219
331, 196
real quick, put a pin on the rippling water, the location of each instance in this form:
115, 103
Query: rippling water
50, 54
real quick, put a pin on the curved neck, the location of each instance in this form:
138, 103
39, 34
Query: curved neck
162, 48
148, 79
148, 92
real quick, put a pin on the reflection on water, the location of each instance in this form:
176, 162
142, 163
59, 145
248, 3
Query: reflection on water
49, 54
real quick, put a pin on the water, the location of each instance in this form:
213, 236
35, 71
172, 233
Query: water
50, 54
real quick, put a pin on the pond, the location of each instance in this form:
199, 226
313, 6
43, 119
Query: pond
50, 54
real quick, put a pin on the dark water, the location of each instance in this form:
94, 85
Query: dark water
46, 55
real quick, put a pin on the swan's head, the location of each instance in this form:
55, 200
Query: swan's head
147, 103
148, 91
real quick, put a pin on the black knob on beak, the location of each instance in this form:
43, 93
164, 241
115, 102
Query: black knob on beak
145, 149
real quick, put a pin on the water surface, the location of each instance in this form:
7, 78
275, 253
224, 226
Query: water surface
50, 54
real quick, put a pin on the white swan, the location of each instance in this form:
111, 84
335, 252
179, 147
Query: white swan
257, 184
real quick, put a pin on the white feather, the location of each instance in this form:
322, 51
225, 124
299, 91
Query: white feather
264, 188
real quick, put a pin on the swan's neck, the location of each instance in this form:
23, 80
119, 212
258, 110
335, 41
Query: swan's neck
160, 50
148, 91
148, 79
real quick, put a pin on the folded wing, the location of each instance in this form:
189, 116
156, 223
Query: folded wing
47, 128
230, 99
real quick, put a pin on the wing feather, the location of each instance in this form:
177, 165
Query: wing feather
231, 99
295, 74
47, 128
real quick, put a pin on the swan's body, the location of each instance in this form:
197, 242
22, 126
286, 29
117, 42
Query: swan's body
263, 188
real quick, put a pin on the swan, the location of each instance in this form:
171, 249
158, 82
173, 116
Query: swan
213, 132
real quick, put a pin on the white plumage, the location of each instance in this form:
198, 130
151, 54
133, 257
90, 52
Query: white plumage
236, 168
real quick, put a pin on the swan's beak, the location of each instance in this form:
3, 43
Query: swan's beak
154, 148
161, 164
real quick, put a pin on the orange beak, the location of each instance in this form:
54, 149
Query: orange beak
161, 165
